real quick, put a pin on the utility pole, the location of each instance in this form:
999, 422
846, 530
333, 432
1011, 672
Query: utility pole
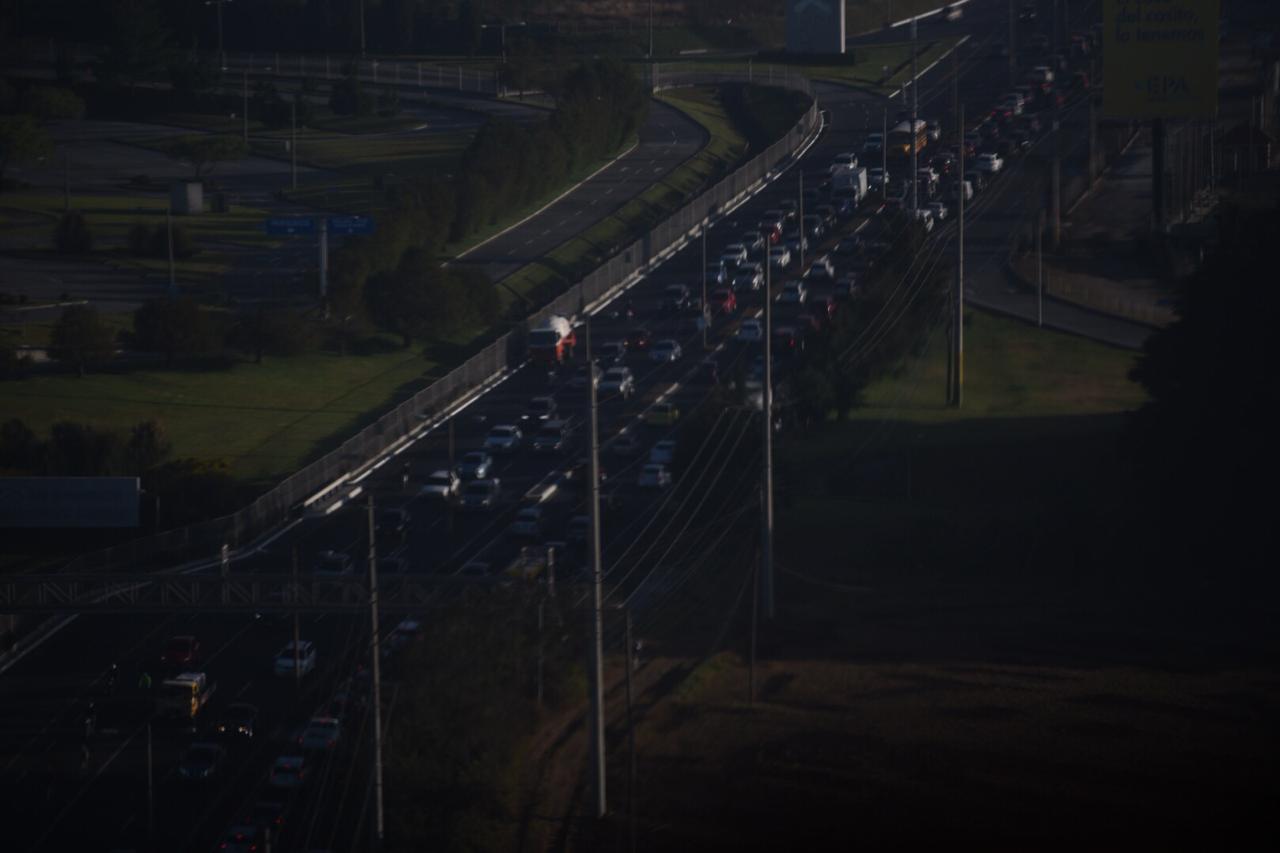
755, 620
151, 786
631, 738
597, 595
915, 105
884, 154
957, 320
800, 223
376, 657
168, 223
244, 75
293, 140
66, 180
361, 30
452, 468
1055, 187
1040, 268
766, 526
650, 29
324, 256
297, 634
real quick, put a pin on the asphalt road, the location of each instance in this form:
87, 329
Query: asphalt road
667, 139
651, 541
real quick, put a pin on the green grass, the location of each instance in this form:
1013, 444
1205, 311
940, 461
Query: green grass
724, 148
266, 419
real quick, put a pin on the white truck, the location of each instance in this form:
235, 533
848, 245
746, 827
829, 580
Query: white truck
849, 183
552, 342
184, 696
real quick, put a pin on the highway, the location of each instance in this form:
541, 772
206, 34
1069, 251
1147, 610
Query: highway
653, 540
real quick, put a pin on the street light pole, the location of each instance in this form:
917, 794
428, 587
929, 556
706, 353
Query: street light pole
915, 105
597, 590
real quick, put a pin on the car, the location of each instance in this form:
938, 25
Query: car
793, 293
665, 351
578, 529
876, 178
321, 733
475, 569
753, 241
330, 562
938, 209
581, 373
943, 165
404, 633
675, 297
268, 815
539, 409
780, 257
709, 369
750, 276
843, 160
821, 269
625, 443
481, 494
965, 187
750, 331
638, 340
392, 566
723, 301
717, 273
663, 453
201, 761
1027, 13
288, 771
241, 838
504, 438
925, 217
654, 477
790, 209
872, 144
786, 340
814, 228
848, 246
976, 180
795, 241
297, 657
1011, 105
441, 485
828, 214
553, 437
475, 465
527, 524
618, 382
989, 163
846, 287
734, 255
238, 720
180, 651
934, 130
662, 413
392, 521
610, 352
1040, 74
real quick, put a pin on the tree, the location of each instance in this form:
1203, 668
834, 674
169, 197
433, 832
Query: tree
80, 450
138, 46
52, 102
20, 449
205, 152
72, 236
347, 97
22, 140
147, 446
176, 327
8, 97
191, 78
275, 330
81, 338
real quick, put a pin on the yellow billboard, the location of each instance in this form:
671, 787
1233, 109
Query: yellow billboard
1160, 58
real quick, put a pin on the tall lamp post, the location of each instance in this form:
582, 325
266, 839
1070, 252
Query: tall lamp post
222, 54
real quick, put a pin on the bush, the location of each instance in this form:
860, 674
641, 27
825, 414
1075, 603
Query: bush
52, 102
140, 240
72, 235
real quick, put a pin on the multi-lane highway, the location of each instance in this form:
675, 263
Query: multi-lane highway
653, 540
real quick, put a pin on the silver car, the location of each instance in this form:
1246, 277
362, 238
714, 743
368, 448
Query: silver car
665, 351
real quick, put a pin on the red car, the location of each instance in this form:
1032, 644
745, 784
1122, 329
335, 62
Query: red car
724, 301
180, 651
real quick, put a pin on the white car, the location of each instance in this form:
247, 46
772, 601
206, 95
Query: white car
304, 659
441, 485
779, 257
1041, 74
989, 163
734, 255
843, 160
793, 293
481, 494
748, 277
653, 476
821, 269
503, 438
751, 331
320, 733
876, 177
617, 381
663, 453
938, 209
665, 351
475, 465
925, 217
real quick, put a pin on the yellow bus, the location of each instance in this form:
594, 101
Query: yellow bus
902, 138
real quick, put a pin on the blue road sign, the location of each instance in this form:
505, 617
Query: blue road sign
291, 225
350, 225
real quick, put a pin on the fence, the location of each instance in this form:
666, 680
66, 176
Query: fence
285, 499
376, 72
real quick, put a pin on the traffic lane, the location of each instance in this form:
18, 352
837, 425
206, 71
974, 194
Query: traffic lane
666, 141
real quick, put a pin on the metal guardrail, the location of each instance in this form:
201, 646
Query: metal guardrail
284, 500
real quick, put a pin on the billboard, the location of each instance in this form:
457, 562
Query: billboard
1160, 59
815, 26
53, 502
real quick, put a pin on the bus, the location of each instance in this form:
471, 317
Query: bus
902, 138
